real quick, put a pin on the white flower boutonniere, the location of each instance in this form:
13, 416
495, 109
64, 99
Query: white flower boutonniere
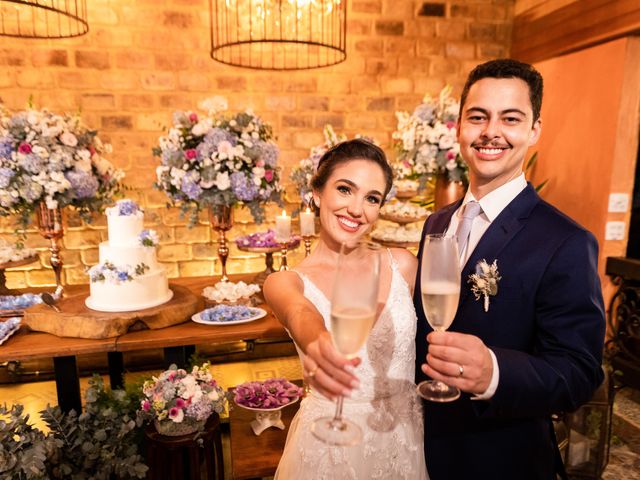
485, 281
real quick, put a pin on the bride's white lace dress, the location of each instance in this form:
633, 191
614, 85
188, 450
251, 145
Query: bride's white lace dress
385, 406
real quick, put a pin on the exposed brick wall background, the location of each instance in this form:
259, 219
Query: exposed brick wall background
142, 60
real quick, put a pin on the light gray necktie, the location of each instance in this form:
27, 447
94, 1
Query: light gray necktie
471, 211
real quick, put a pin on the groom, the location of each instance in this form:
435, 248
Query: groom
534, 346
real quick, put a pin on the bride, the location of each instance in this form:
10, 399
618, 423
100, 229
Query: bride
350, 186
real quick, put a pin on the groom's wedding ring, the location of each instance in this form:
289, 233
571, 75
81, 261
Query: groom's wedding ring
460, 370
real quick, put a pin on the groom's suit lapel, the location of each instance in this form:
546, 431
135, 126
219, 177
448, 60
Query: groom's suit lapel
506, 225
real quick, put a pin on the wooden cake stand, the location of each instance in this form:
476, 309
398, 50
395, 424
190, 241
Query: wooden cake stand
77, 320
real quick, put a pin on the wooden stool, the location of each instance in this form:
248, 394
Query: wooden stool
181, 457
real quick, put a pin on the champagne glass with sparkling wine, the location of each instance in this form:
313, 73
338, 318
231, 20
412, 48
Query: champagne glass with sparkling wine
353, 312
440, 284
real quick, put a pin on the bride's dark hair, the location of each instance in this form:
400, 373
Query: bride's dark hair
343, 152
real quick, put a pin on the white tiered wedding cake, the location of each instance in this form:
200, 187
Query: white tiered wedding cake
128, 276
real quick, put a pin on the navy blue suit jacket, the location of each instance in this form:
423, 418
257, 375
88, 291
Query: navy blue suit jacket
546, 327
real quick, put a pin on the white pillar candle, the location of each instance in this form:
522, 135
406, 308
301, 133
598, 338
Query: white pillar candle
283, 227
307, 223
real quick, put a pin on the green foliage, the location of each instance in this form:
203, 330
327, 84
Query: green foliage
24, 450
100, 444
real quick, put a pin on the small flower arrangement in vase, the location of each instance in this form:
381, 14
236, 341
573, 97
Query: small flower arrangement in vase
53, 160
180, 402
267, 399
426, 144
302, 174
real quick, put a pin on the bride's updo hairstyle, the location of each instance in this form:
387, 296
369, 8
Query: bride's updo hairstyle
344, 152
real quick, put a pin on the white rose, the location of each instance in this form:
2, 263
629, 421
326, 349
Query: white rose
200, 128
213, 395
222, 181
83, 165
69, 139
103, 166
225, 149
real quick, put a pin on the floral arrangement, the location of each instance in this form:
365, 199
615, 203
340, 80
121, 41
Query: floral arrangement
177, 395
302, 174
265, 240
270, 394
426, 140
227, 313
484, 283
8, 328
10, 253
218, 159
230, 292
148, 238
19, 302
55, 159
109, 273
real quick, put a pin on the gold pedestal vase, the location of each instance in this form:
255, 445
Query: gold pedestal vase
447, 191
221, 220
50, 225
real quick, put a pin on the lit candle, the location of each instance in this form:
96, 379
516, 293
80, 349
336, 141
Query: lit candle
283, 227
307, 223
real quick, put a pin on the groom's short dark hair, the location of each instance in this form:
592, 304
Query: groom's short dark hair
508, 68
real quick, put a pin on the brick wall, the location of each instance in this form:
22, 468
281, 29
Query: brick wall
142, 60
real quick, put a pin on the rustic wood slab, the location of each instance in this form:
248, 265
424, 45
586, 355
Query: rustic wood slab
78, 320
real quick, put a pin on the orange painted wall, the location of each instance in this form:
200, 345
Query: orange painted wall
589, 139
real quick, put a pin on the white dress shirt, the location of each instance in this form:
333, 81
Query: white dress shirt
492, 205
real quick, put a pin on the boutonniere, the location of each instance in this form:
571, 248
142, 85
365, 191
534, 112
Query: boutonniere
485, 281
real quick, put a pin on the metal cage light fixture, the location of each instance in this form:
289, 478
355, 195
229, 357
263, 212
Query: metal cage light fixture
278, 34
43, 18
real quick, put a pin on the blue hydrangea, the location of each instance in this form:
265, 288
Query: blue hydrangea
425, 112
190, 185
269, 152
227, 313
127, 207
6, 174
211, 140
243, 187
31, 163
83, 184
123, 276
6, 147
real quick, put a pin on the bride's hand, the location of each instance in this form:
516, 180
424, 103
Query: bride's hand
326, 370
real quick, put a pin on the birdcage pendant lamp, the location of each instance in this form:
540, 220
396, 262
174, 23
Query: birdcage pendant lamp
278, 34
43, 18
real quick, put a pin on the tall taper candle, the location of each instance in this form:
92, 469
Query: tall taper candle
283, 227
307, 223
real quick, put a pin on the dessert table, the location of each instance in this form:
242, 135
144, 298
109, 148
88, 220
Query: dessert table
178, 342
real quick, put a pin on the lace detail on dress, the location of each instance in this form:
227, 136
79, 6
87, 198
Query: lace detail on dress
385, 406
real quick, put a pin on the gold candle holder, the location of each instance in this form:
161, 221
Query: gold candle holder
50, 225
284, 247
307, 244
221, 220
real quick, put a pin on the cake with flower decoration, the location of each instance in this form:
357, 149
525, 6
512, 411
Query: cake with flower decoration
128, 276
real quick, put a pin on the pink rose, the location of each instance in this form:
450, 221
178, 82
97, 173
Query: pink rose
24, 148
193, 117
450, 155
146, 405
406, 164
268, 175
451, 124
180, 403
260, 163
190, 154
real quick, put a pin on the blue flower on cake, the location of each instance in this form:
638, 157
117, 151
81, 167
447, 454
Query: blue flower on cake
149, 238
218, 159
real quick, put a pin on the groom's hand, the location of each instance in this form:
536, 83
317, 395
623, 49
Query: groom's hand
459, 360
326, 370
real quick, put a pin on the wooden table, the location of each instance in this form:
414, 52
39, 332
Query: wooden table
256, 456
178, 342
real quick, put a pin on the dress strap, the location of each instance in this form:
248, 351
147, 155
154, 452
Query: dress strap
392, 261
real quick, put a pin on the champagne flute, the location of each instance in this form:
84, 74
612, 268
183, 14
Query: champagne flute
353, 312
440, 285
